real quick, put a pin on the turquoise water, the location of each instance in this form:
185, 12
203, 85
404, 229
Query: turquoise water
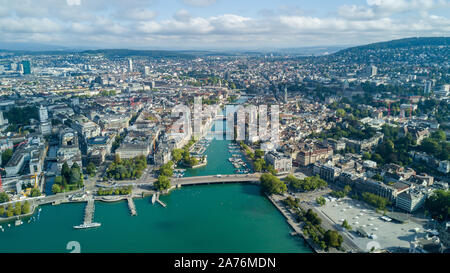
211, 218
217, 154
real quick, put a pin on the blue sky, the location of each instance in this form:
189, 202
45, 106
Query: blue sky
218, 24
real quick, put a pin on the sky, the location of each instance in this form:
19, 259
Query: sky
219, 24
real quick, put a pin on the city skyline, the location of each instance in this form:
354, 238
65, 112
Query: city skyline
210, 24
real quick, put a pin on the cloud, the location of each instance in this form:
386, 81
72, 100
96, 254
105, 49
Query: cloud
139, 23
199, 3
73, 2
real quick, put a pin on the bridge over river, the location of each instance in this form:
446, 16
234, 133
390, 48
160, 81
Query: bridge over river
182, 181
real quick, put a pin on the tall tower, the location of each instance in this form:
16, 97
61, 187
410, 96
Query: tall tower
26, 67
285, 94
427, 88
43, 114
130, 65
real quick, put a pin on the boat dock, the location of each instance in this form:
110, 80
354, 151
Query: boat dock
131, 206
159, 201
89, 215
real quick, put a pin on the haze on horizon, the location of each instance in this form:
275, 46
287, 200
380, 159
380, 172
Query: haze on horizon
218, 24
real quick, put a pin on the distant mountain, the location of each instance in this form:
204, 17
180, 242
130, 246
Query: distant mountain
123, 53
401, 43
7, 46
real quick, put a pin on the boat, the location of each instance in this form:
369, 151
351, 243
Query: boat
85, 226
18, 222
153, 199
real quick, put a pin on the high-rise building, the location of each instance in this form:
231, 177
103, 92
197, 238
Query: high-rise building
146, 71
3, 121
43, 114
285, 94
130, 65
26, 67
427, 88
373, 71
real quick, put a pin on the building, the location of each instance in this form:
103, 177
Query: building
26, 67
130, 65
69, 151
132, 150
33, 152
85, 127
280, 162
327, 172
100, 143
310, 156
3, 121
444, 166
359, 145
427, 87
43, 114
411, 200
146, 71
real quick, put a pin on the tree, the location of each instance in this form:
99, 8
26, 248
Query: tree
439, 135
2, 210
272, 184
56, 188
347, 189
163, 183
18, 209
91, 169
117, 159
259, 153
346, 225
65, 173
58, 180
340, 112
377, 177
166, 170
35, 192
333, 239
438, 205
75, 175
429, 146
259, 164
321, 201
6, 156
26, 208
4, 197
177, 154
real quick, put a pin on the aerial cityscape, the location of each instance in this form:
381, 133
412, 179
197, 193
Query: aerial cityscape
235, 147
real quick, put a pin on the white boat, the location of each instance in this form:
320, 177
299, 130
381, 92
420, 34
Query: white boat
84, 226
153, 199
18, 222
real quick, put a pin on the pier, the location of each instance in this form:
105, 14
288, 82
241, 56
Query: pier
159, 201
89, 215
131, 206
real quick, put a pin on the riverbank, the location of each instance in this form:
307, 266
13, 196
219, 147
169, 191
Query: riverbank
294, 225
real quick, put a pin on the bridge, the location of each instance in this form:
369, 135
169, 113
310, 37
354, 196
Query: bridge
217, 179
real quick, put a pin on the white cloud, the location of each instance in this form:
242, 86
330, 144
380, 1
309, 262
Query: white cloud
137, 23
73, 2
199, 3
